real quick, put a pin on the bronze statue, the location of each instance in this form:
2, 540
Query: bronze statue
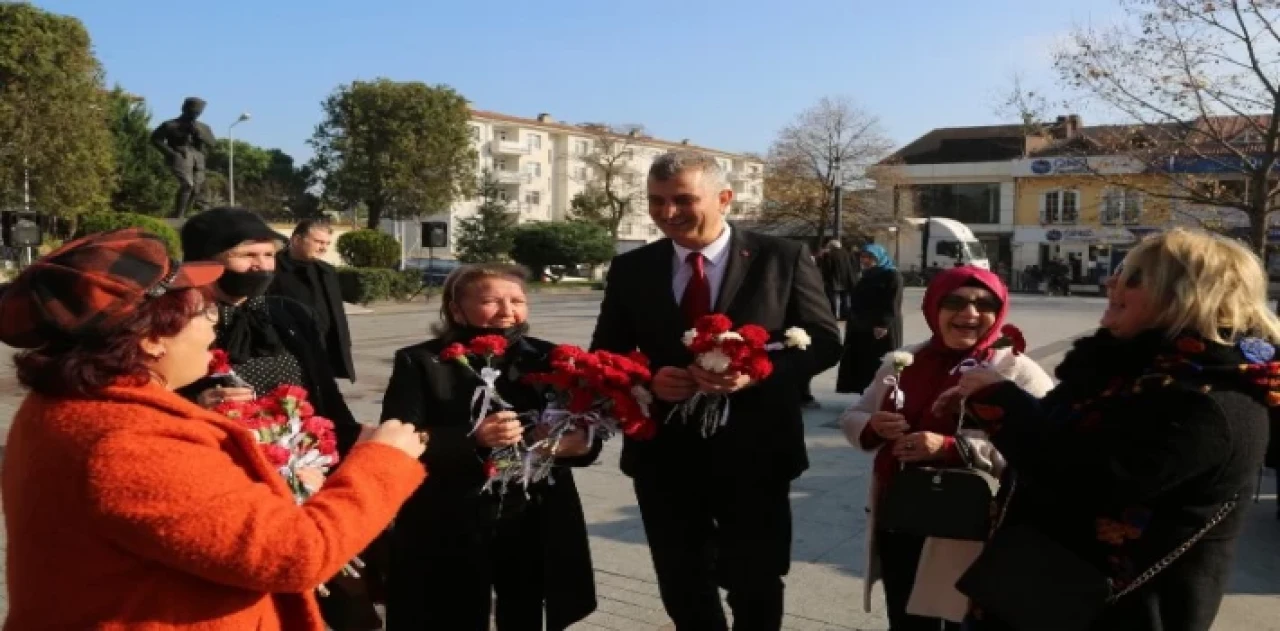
184, 141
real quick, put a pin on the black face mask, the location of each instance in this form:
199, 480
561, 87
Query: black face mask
245, 284
468, 332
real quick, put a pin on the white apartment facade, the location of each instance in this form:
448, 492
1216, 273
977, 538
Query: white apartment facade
541, 164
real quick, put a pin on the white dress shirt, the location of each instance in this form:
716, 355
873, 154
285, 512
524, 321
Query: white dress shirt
717, 258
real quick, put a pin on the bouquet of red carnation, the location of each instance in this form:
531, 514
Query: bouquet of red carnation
600, 392
293, 438
719, 349
1011, 337
507, 464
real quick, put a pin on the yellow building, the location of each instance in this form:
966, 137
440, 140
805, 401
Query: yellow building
1080, 211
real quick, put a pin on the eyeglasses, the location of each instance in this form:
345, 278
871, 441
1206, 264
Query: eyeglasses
983, 304
211, 313
1135, 276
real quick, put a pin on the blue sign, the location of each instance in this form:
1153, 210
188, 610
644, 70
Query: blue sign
1053, 235
1205, 165
1041, 167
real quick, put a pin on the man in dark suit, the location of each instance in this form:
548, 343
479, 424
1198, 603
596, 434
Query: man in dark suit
301, 274
715, 509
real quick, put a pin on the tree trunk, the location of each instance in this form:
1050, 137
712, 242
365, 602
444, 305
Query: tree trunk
375, 214
1259, 203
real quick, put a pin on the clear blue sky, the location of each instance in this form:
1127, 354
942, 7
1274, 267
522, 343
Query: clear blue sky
723, 74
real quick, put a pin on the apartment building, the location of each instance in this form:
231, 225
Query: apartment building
541, 164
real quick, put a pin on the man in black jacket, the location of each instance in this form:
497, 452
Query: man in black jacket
302, 274
716, 509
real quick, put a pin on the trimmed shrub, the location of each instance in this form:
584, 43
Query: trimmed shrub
108, 221
369, 248
363, 285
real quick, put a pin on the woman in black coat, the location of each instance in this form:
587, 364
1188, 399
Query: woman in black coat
453, 543
271, 341
874, 327
1157, 429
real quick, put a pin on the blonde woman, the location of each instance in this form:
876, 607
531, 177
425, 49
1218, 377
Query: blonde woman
1158, 425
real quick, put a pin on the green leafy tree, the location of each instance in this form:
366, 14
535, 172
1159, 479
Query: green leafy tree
266, 179
144, 184
538, 246
402, 149
54, 115
485, 237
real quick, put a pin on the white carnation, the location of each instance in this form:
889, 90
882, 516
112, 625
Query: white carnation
728, 335
798, 338
689, 337
901, 359
714, 361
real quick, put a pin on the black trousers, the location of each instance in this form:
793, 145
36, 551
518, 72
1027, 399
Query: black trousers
458, 589
899, 557
704, 536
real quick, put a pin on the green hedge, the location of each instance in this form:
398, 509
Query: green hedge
363, 285
369, 248
105, 222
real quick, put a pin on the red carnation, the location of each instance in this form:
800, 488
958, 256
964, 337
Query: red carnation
715, 324
489, 346
288, 391
490, 469
219, 362
1014, 335
305, 410
754, 335
758, 367
317, 426
453, 352
278, 456
639, 358
328, 446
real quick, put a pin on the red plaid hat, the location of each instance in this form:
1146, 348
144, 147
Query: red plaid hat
88, 286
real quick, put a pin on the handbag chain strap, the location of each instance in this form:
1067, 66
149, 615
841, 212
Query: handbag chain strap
1158, 566
1168, 560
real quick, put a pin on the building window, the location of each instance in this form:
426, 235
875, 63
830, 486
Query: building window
1121, 206
653, 231
534, 169
535, 141
475, 132
580, 174
966, 203
533, 198
1060, 207
581, 148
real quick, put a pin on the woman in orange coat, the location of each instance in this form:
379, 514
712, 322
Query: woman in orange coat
127, 506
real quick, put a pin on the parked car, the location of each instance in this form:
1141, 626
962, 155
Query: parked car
434, 271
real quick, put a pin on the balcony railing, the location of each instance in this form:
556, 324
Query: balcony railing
511, 177
509, 148
742, 176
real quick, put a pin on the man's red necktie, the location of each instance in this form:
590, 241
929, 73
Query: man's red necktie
696, 301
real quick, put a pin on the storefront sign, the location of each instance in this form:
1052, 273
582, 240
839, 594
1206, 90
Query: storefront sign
1076, 165
1083, 235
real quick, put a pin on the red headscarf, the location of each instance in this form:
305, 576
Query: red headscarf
933, 370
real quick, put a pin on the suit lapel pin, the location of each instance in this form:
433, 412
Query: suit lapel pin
745, 254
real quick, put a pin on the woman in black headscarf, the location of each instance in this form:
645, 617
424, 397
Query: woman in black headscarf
270, 341
875, 321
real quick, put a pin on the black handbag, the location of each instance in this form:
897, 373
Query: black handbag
951, 503
1032, 583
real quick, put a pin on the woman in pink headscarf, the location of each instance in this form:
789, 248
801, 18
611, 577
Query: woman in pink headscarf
965, 308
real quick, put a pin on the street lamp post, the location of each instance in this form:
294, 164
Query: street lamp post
231, 157
838, 176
